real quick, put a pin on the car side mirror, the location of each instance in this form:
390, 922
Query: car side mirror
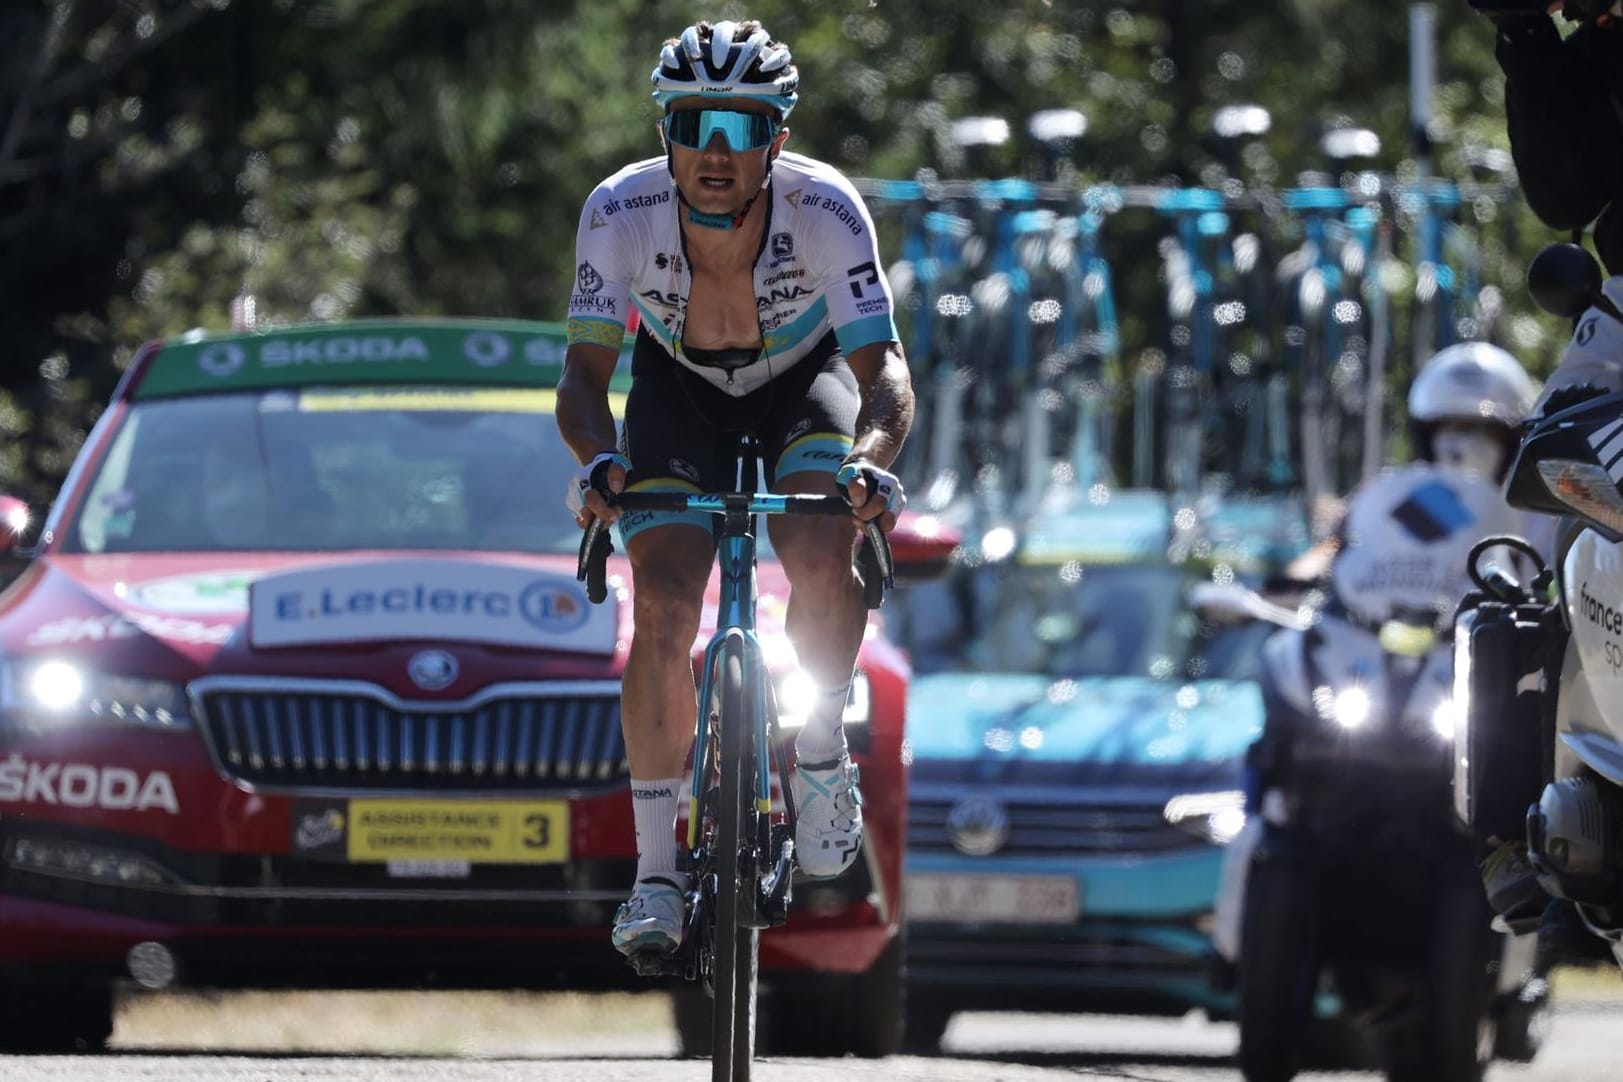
921, 547
14, 522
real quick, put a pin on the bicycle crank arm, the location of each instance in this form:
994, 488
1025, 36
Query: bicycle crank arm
773, 903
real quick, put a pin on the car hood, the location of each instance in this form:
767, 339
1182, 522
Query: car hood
1092, 730
331, 614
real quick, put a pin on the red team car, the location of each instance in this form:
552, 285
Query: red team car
298, 689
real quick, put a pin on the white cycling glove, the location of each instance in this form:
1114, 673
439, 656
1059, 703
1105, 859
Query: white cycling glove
882, 484
580, 482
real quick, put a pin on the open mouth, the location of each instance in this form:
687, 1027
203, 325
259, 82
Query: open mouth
715, 184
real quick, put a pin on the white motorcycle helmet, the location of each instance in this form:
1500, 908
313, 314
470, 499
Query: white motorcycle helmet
727, 60
1466, 405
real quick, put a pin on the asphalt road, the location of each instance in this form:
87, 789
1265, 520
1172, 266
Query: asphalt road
621, 1039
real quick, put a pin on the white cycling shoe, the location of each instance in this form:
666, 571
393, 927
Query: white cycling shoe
652, 919
828, 817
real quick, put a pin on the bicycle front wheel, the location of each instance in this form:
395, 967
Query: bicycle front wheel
737, 941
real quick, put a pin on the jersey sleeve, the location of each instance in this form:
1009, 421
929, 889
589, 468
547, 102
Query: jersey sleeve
599, 301
860, 306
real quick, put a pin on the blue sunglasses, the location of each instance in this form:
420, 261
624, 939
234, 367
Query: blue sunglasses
694, 128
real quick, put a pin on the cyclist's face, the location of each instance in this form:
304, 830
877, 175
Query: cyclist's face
716, 179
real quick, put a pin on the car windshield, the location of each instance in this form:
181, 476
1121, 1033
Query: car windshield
323, 470
1079, 620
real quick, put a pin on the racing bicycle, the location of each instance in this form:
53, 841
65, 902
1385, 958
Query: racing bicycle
739, 856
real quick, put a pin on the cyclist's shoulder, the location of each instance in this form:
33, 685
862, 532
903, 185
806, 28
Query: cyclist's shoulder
641, 185
812, 173
821, 196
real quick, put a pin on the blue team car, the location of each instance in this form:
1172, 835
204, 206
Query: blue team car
1077, 732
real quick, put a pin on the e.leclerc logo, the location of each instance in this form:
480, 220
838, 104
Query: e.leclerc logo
547, 606
544, 604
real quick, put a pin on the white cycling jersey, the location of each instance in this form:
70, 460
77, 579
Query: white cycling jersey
818, 269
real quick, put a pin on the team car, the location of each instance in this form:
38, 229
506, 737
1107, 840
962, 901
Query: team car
1077, 731
298, 688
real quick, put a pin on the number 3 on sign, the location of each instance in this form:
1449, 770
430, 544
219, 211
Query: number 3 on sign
537, 830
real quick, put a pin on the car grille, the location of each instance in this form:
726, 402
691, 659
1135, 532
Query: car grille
360, 738
1052, 830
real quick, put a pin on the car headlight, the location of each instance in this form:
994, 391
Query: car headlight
1446, 718
53, 693
1214, 817
1351, 707
797, 691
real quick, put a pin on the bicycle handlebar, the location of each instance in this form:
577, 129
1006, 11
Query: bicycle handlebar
873, 559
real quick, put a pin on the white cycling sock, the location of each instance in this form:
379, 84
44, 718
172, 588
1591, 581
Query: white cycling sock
653, 807
822, 738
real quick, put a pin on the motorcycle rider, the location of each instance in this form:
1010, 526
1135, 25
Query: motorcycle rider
1465, 411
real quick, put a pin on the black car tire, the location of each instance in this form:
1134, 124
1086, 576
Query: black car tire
55, 1018
1278, 971
925, 1025
839, 1015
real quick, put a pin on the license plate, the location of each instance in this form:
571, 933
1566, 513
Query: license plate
430, 869
994, 899
445, 832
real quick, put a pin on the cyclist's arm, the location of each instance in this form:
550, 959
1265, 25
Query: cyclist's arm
886, 413
583, 413
599, 306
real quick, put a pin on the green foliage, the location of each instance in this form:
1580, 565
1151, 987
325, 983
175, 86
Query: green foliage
340, 158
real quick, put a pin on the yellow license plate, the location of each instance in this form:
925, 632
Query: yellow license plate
479, 831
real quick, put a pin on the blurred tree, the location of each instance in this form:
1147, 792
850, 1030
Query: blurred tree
338, 158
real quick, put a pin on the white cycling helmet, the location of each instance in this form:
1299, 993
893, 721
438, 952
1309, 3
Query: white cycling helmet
727, 60
1474, 384
1471, 382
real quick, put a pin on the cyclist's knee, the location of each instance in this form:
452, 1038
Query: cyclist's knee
669, 570
814, 549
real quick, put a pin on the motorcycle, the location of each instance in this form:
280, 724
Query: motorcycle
1539, 753
1360, 887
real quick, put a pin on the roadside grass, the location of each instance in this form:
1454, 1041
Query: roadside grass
481, 1024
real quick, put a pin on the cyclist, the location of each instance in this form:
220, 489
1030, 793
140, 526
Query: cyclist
762, 308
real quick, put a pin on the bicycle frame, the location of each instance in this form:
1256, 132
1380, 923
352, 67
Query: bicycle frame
750, 886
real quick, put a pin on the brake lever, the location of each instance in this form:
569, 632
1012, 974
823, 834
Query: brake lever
596, 545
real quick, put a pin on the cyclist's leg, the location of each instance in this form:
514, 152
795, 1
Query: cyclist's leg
667, 442
809, 433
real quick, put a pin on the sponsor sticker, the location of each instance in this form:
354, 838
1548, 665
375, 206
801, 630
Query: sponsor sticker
205, 592
389, 352
109, 626
443, 600
427, 833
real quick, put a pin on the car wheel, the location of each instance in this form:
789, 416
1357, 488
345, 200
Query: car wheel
38, 1018
1278, 971
856, 1015
924, 1025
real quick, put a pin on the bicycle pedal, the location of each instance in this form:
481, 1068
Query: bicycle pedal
777, 888
653, 963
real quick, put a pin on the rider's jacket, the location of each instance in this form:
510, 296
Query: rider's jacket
1564, 106
818, 268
